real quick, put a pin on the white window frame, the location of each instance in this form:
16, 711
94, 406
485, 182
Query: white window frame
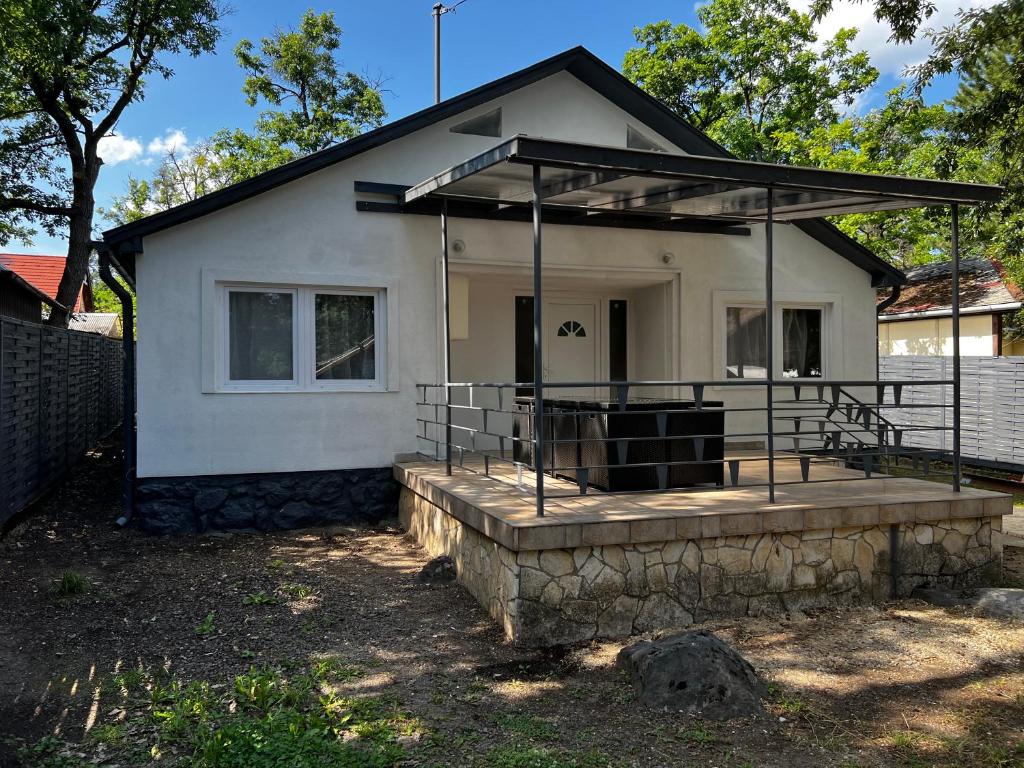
224, 358
830, 306
379, 381
216, 285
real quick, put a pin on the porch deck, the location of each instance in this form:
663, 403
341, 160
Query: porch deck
504, 510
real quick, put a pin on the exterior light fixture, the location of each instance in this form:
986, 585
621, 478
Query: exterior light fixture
668, 258
458, 246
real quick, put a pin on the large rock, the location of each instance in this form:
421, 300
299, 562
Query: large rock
696, 673
440, 570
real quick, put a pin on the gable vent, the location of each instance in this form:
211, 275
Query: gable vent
487, 124
636, 140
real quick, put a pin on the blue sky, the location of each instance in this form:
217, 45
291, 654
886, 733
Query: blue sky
393, 40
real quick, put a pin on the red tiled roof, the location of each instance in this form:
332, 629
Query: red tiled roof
983, 283
44, 272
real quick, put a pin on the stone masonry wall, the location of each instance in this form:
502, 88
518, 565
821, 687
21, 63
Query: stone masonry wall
486, 568
556, 596
265, 502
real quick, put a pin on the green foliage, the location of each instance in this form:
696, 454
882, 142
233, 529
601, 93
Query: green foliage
48, 752
757, 71
759, 82
904, 137
71, 583
205, 627
529, 726
266, 719
334, 670
517, 757
259, 598
68, 70
310, 103
299, 68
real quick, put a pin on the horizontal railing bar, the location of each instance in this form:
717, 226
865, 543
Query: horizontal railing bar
802, 383
851, 428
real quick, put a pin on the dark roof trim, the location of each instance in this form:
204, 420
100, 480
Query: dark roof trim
362, 143
551, 153
578, 61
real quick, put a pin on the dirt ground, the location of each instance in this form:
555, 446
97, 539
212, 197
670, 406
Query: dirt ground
902, 684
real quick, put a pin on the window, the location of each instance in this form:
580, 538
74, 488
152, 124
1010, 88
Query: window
487, 124
798, 342
572, 328
745, 343
801, 343
636, 140
301, 339
261, 329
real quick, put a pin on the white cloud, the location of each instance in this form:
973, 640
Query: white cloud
173, 141
889, 58
118, 149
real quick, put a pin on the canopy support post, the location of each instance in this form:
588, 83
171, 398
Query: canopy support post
538, 357
955, 211
445, 294
769, 325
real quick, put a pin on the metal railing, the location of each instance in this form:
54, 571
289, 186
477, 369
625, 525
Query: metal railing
636, 437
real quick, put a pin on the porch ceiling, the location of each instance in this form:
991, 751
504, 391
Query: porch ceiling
656, 187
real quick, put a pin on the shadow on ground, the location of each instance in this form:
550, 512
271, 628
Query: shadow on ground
904, 684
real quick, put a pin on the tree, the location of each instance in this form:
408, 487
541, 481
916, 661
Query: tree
68, 70
182, 176
904, 137
755, 72
312, 104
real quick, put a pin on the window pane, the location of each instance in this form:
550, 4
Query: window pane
745, 343
345, 346
260, 336
801, 343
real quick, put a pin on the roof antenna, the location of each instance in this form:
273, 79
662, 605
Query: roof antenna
439, 10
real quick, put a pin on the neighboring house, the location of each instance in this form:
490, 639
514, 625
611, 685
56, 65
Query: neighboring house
104, 323
920, 321
19, 299
45, 272
293, 356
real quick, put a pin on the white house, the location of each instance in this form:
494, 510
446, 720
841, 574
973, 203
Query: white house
285, 322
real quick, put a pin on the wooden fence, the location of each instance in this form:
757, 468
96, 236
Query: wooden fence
991, 403
60, 392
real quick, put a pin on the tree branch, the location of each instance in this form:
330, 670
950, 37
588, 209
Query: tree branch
21, 203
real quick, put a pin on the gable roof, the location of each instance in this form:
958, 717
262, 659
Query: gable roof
578, 62
984, 287
41, 272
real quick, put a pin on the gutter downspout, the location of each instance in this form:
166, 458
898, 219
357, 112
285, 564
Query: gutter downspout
894, 528
127, 384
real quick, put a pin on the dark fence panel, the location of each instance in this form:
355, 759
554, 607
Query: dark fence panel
991, 402
60, 392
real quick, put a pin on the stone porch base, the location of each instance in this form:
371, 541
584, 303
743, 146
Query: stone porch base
544, 597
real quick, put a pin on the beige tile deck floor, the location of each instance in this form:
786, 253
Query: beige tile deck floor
505, 510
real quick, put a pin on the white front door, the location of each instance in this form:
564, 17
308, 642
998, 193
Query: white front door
570, 343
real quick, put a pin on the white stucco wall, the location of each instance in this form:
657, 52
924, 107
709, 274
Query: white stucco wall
934, 336
310, 230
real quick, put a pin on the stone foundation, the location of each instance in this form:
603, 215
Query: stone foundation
566, 595
265, 502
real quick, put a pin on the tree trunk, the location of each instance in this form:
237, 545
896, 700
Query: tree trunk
79, 251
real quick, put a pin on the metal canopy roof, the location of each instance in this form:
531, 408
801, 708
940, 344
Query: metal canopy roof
596, 180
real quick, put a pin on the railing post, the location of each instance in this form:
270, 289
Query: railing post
955, 211
769, 324
538, 358
447, 341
